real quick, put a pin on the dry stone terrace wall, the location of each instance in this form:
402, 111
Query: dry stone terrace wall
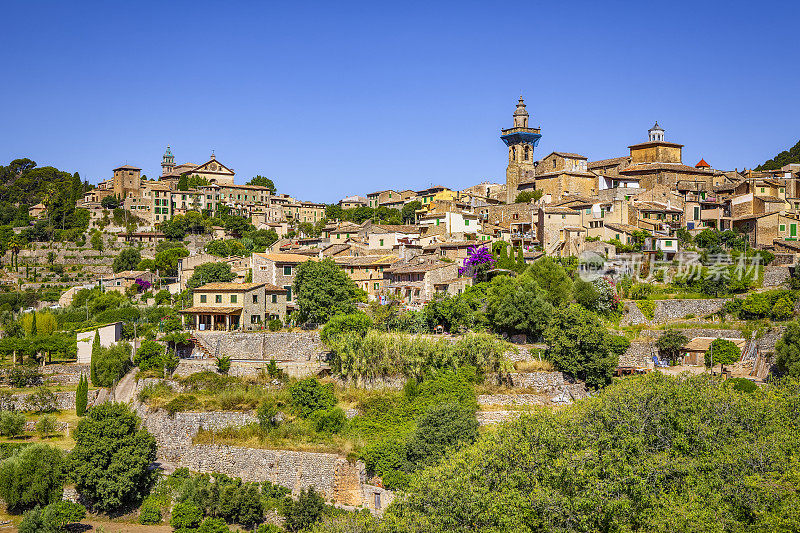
67, 374
283, 346
65, 401
666, 310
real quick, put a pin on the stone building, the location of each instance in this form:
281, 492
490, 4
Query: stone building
560, 232
658, 162
561, 174
212, 170
230, 306
415, 280
368, 272
521, 141
127, 181
278, 269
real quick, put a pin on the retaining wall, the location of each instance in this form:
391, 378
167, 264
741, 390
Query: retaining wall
65, 401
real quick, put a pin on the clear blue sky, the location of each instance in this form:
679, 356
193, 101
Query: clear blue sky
338, 98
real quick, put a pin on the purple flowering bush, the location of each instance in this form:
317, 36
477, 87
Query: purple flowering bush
478, 261
142, 285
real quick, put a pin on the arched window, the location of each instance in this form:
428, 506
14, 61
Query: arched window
527, 150
514, 153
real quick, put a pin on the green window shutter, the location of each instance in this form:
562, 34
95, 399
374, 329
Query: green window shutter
274, 298
203, 298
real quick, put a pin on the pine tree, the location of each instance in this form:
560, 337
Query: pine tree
82, 396
95, 353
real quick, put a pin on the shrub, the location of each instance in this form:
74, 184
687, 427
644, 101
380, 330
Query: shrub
442, 427
185, 517
309, 395
274, 324
11, 424
213, 525
20, 376
110, 364
223, 364
182, 402
743, 385
330, 420
33, 477
356, 323
43, 400
53, 518
304, 512
647, 307
150, 355
46, 426
266, 413
150, 511
783, 309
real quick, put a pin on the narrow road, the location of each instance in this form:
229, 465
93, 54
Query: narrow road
126, 387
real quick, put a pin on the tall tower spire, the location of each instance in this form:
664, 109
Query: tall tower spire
167, 162
521, 141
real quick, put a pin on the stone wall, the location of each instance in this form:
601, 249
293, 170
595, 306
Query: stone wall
775, 276
67, 374
244, 369
65, 401
496, 417
282, 346
331, 474
511, 399
666, 310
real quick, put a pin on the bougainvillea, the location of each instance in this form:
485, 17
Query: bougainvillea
477, 262
143, 284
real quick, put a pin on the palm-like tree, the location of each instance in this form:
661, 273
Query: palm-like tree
15, 244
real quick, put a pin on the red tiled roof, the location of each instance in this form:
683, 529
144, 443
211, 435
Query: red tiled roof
702, 164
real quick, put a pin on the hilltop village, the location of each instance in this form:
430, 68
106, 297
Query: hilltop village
596, 345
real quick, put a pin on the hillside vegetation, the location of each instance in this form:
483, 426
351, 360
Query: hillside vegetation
655, 454
792, 155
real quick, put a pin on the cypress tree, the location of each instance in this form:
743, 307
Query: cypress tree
82, 396
520, 260
33, 324
95, 353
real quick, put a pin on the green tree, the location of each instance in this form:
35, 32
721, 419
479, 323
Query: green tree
304, 512
550, 276
46, 426
783, 309
112, 363
787, 350
82, 396
671, 344
323, 290
166, 261
525, 197
722, 352
792, 155
223, 364
577, 344
409, 211
53, 518
358, 323
149, 355
443, 427
97, 240
150, 511
185, 517
128, 259
12, 424
517, 305
210, 273
110, 462
33, 477
261, 181
309, 395
95, 354
109, 202
213, 525
34, 329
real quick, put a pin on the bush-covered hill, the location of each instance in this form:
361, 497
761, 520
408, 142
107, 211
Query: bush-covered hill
23, 184
655, 454
784, 158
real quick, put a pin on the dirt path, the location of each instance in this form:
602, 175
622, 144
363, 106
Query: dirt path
126, 387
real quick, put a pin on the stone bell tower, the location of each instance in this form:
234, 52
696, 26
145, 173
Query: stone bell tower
167, 162
521, 141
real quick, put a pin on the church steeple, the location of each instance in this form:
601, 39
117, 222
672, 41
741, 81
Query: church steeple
167, 162
521, 115
521, 141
